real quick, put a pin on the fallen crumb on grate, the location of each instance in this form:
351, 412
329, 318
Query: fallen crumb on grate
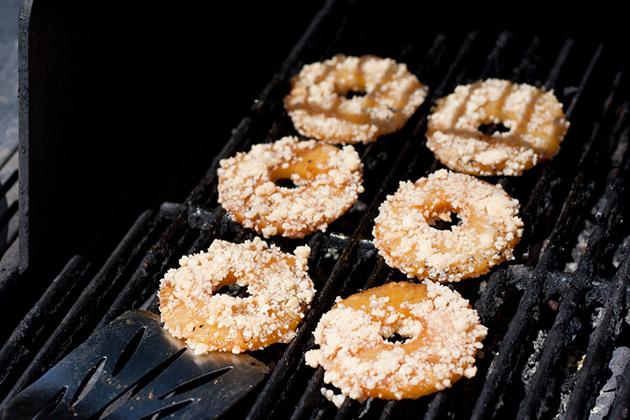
332, 253
620, 252
330, 395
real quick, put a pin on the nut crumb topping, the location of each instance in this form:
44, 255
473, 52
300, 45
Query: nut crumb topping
535, 123
327, 179
489, 228
442, 333
319, 107
278, 287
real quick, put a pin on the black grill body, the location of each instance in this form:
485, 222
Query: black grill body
558, 343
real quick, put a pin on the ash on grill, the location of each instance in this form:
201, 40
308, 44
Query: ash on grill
557, 315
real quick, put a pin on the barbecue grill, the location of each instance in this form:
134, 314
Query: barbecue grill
558, 343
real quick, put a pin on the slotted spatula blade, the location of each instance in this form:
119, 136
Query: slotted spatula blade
134, 369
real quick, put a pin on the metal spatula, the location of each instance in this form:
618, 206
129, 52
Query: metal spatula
133, 369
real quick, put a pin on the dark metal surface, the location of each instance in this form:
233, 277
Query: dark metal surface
9, 194
120, 107
134, 369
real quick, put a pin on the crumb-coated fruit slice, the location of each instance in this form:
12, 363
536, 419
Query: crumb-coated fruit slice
327, 179
346, 99
440, 335
525, 126
279, 292
407, 236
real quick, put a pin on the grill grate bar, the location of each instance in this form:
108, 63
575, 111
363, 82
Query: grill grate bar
590, 377
587, 75
600, 348
530, 64
510, 353
455, 69
583, 192
552, 78
495, 64
543, 386
37, 324
55, 339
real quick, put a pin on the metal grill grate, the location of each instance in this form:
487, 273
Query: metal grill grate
557, 315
